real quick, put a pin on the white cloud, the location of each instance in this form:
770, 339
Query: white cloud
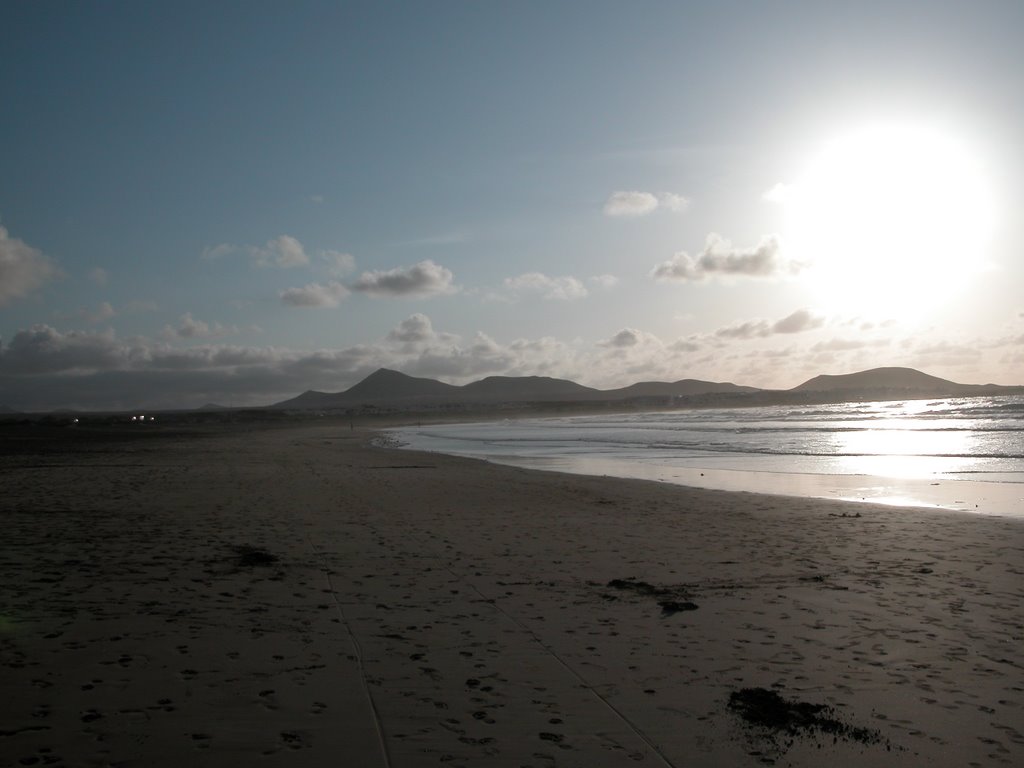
673, 202
780, 193
314, 295
214, 252
99, 276
627, 337
283, 251
556, 288
605, 281
423, 280
23, 269
630, 204
720, 257
191, 328
415, 329
338, 263
633, 203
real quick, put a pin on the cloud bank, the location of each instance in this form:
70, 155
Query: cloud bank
23, 269
42, 368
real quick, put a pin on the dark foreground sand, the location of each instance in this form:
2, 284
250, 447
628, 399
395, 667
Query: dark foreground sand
294, 597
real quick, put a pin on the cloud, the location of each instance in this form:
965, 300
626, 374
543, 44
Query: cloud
214, 252
314, 295
23, 269
605, 281
673, 202
797, 322
632, 204
839, 344
555, 288
283, 251
415, 329
99, 276
44, 368
423, 280
627, 337
43, 349
190, 328
749, 329
780, 193
104, 311
338, 263
720, 257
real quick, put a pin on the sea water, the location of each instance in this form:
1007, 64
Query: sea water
956, 453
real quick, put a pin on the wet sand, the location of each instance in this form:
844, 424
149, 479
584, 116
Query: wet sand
1003, 497
272, 596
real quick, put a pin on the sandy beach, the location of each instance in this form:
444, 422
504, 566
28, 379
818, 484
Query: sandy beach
237, 595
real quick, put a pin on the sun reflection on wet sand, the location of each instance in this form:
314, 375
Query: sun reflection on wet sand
905, 490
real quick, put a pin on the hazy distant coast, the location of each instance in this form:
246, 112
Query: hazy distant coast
389, 397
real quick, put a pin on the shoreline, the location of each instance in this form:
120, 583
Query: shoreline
904, 481
997, 498
273, 595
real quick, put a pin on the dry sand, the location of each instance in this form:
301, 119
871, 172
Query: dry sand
295, 597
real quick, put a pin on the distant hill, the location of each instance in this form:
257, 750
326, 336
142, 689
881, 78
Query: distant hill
385, 384
898, 382
541, 388
7, 409
681, 388
391, 388
381, 387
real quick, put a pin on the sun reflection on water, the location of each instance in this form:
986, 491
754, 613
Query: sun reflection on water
910, 451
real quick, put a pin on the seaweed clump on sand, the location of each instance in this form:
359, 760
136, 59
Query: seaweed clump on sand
250, 557
770, 711
668, 607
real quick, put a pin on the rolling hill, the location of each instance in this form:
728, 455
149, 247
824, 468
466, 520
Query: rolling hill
385, 387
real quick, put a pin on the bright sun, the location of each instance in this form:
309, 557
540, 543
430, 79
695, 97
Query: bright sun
890, 218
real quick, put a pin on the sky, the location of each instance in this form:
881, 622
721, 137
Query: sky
235, 202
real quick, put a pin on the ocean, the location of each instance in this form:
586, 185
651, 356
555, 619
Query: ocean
956, 453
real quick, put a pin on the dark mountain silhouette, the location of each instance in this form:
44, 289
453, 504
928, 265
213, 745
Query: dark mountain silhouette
540, 388
392, 385
391, 389
381, 387
899, 382
681, 388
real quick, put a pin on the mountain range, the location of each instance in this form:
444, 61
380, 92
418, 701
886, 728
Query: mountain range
388, 388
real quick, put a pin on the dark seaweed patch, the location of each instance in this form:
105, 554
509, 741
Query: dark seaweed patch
768, 710
253, 557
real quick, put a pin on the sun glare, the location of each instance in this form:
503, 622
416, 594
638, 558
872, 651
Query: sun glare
890, 219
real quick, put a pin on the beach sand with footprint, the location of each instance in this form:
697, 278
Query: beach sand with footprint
257, 596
